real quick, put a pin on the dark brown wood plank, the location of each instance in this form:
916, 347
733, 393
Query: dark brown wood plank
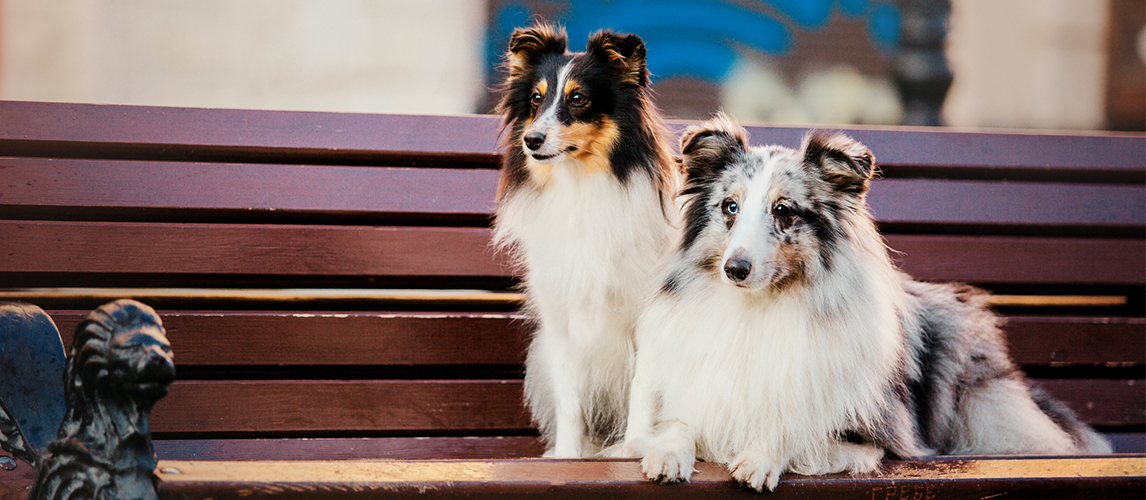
123, 190
1076, 341
80, 187
93, 247
286, 250
1026, 477
1127, 442
78, 247
1009, 260
286, 338
922, 204
422, 299
241, 338
355, 406
411, 448
164, 133
407, 448
1100, 401
60, 130
943, 152
359, 406
304, 300
415, 448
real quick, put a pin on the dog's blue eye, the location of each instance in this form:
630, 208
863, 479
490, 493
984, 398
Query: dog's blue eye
578, 99
730, 207
535, 99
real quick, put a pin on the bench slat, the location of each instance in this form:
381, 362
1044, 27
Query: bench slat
417, 299
361, 406
125, 190
247, 338
1097, 477
462, 406
1067, 340
328, 339
471, 447
1102, 402
412, 448
1016, 260
928, 205
39, 187
993, 154
165, 133
80, 248
188, 249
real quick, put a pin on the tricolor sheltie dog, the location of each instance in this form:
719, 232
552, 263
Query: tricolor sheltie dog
584, 206
782, 337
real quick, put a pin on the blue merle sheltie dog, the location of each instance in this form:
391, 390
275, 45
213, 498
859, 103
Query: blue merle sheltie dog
584, 207
782, 337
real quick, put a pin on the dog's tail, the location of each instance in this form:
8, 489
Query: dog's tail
1085, 438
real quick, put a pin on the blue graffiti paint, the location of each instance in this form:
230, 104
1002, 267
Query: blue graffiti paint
853, 8
508, 16
807, 13
677, 58
685, 18
883, 26
698, 38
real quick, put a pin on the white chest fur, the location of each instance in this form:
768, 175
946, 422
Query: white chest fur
768, 374
585, 239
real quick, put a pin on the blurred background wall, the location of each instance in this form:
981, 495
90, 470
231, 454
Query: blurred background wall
412, 56
1058, 64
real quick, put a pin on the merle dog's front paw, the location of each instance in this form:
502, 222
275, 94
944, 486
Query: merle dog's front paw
668, 464
755, 470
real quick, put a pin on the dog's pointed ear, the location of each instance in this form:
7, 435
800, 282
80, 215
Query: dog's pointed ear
527, 45
708, 147
625, 51
839, 160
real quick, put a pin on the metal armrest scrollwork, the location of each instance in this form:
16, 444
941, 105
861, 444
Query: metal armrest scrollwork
119, 366
32, 359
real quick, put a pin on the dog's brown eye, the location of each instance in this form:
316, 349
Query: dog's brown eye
578, 99
535, 99
783, 211
730, 207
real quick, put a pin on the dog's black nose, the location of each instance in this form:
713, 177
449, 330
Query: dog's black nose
737, 269
534, 140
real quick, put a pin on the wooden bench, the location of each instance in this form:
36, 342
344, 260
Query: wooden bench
340, 324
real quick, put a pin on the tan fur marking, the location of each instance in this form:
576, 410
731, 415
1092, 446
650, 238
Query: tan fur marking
539, 173
594, 143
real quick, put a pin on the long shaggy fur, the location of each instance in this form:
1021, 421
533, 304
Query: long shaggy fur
784, 339
583, 207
